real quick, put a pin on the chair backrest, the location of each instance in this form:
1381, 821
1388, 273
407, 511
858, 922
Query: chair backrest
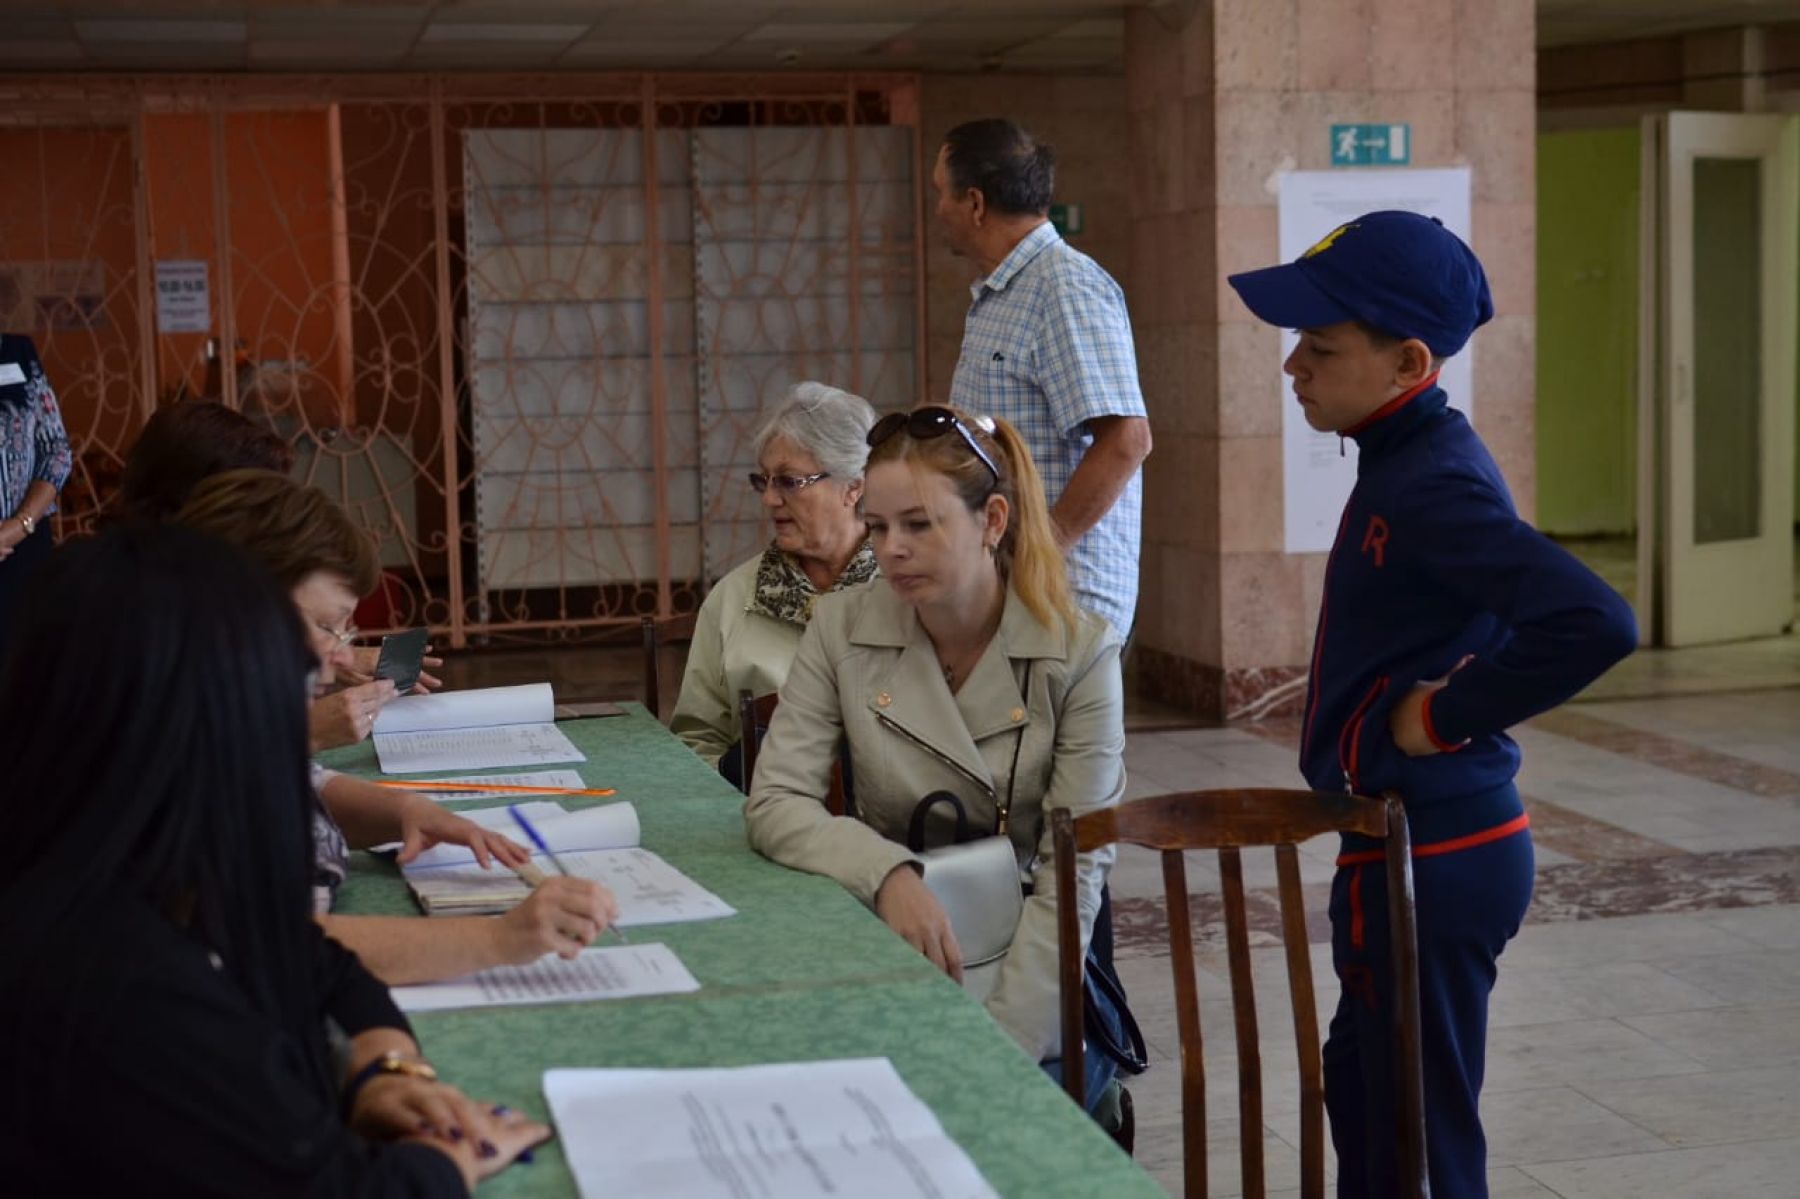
754, 714
656, 633
1229, 821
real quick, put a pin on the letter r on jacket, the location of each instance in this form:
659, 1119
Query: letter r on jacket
1375, 538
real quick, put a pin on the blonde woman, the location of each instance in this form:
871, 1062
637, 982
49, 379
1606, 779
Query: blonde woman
967, 670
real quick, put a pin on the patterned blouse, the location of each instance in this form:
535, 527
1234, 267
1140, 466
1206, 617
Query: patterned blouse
33, 444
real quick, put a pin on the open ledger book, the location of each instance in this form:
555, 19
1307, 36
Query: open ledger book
488, 728
599, 843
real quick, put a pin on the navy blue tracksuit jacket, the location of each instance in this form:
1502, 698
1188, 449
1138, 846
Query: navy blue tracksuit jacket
1432, 565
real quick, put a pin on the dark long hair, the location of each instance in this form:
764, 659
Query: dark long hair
153, 747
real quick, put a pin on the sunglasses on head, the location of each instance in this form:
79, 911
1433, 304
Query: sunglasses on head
933, 420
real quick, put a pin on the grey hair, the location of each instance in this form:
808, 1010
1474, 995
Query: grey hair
830, 424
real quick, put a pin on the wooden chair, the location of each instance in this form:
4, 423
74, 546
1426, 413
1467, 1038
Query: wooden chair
655, 634
753, 714
1228, 821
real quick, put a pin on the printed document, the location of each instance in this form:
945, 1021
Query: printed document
615, 972
599, 843
487, 728
794, 1131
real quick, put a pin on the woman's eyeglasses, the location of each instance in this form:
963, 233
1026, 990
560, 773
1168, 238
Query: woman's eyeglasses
933, 420
340, 637
785, 484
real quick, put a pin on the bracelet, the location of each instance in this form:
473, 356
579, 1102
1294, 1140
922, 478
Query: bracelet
390, 1062
25, 522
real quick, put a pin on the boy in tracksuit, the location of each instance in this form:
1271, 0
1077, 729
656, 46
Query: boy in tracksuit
1446, 619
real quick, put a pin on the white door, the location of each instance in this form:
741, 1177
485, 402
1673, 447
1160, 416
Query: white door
1718, 373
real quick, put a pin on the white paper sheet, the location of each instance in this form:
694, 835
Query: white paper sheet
604, 826
567, 780
615, 972
480, 707
1318, 470
649, 890
474, 748
794, 1131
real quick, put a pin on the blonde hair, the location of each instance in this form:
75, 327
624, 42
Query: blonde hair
1027, 554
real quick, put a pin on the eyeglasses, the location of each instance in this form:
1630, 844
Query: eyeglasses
785, 484
934, 420
339, 637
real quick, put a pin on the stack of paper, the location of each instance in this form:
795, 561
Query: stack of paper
797, 1131
472, 786
599, 843
616, 972
489, 728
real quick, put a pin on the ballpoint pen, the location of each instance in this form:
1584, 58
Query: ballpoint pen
536, 876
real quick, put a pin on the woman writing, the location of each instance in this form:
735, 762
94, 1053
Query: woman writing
968, 670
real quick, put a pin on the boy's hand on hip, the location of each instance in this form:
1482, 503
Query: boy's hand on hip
1407, 721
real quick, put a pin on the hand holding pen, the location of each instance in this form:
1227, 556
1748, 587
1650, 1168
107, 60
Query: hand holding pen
536, 878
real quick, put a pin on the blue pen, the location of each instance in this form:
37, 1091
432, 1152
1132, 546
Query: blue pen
543, 848
532, 834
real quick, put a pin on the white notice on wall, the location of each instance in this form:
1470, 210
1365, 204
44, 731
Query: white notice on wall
1316, 477
181, 296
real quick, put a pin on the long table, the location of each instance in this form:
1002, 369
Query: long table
802, 972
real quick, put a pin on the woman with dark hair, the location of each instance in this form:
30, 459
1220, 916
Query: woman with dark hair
185, 443
166, 988
35, 460
314, 550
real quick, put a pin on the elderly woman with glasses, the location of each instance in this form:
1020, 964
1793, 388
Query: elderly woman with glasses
809, 454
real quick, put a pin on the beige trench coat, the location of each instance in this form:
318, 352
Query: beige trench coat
733, 649
867, 672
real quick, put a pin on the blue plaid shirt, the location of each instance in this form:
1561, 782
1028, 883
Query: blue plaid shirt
1047, 345
33, 445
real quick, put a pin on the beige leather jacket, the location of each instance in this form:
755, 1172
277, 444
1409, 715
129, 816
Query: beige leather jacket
867, 672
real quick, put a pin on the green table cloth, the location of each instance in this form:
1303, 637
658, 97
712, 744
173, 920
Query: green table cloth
802, 972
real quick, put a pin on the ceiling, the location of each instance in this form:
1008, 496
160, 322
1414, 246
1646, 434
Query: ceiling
730, 35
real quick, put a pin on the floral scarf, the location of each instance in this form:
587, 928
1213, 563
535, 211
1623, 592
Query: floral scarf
784, 593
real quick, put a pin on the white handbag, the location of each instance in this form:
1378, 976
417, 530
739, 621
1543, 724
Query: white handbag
977, 882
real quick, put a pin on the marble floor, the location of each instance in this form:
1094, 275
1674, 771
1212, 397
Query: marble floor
1645, 1038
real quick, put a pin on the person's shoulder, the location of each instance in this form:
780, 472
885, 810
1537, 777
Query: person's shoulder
1090, 637
1069, 267
838, 613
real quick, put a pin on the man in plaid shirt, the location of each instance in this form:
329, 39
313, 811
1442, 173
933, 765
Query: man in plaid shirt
1047, 345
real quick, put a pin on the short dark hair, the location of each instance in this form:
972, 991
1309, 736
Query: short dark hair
1014, 171
293, 530
190, 441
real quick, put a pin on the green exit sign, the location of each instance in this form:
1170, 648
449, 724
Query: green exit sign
1067, 219
1371, 145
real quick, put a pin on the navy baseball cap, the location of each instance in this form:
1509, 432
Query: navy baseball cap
1400, 272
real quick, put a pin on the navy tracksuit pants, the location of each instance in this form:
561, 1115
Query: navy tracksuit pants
1470, 895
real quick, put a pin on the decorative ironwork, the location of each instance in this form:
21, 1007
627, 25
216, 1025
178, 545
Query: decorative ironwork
518, 325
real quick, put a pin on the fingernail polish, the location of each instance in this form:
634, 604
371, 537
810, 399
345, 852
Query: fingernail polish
526, 1157
502, 1110
489, 1149
456, 1134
